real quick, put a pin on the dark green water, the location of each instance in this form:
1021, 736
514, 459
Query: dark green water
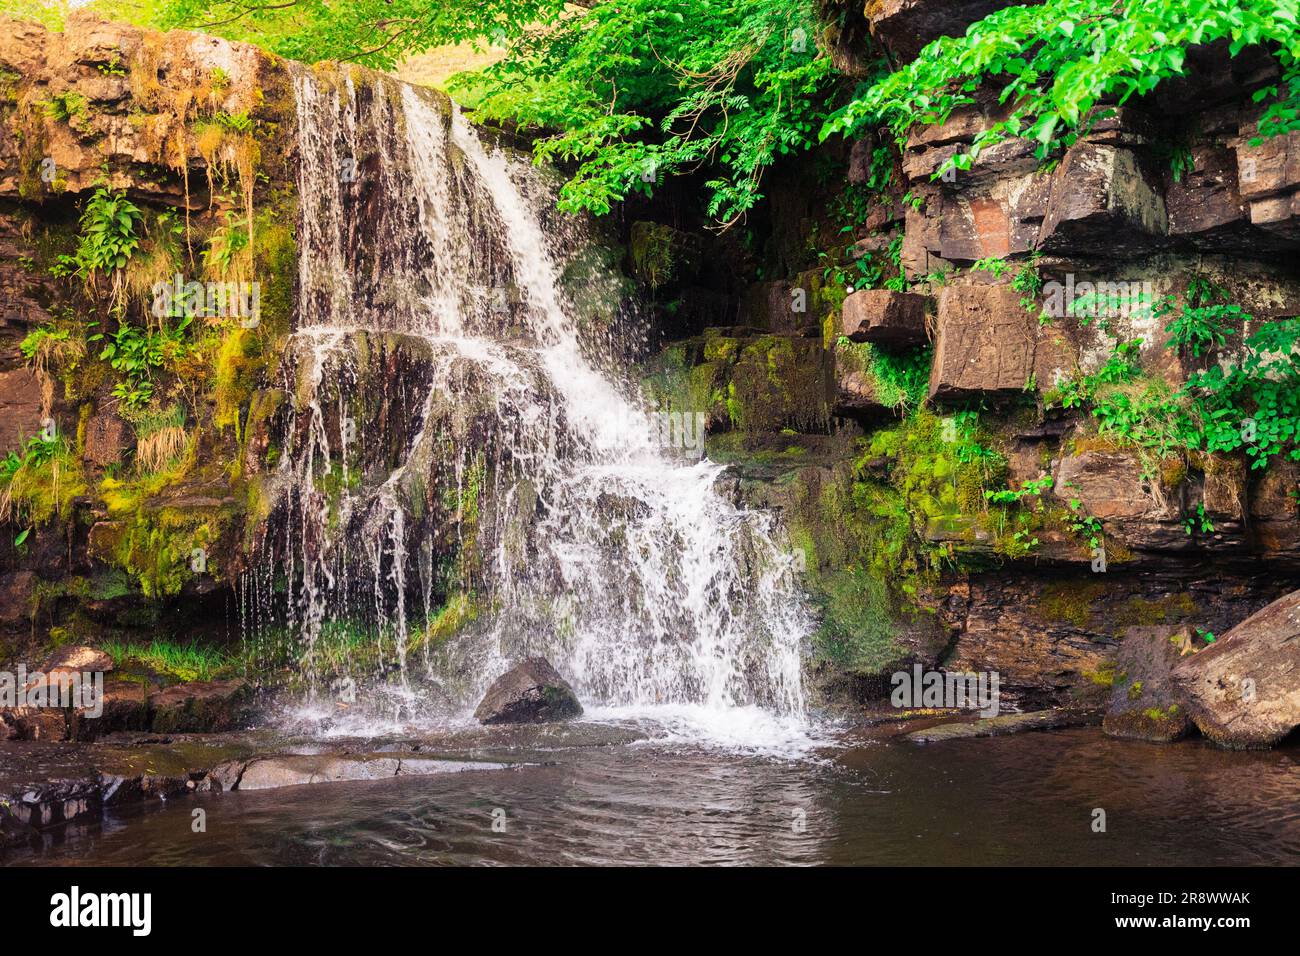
1026, 799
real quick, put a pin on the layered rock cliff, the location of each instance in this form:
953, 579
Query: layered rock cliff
944, 318
133, 430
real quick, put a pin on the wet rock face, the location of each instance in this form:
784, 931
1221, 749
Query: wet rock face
1244, 690
1144, 702
201, 707
531, 692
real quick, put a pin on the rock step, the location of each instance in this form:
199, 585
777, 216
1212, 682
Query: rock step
1055, 719
77, 784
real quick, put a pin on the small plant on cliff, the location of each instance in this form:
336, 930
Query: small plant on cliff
1203, 321
1083, 524
69, 107
160, 437
1249, 404
138, 354
900, 378
228, 256
109, 237
52, 347
41, 482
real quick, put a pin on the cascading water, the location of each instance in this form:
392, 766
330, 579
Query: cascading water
464, 478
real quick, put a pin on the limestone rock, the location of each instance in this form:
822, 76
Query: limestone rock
78, 658
20, 407
985, 343
531, 692
297, 769
886, 317
1144, 704
1244, 690
1102, 200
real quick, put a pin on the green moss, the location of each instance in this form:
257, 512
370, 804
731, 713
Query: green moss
659, 254
857, 630
41, 483
1140, 611
459, 611
1155, 713
162, 539
1103, 676
1070, 602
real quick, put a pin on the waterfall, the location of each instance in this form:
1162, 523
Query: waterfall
466, 475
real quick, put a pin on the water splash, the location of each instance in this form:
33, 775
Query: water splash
458, 439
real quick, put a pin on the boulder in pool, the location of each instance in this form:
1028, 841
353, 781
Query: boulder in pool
531, 692
1244, 689
1144, 703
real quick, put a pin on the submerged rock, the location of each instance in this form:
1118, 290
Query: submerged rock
1144, 703
1055, 719
531, 692
1244, 690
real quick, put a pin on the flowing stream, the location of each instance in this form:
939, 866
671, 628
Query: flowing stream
468, 473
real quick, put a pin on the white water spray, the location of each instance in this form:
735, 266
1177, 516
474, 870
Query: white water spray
437, 349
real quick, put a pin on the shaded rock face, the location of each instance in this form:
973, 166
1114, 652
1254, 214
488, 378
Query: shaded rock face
20, 407
201, 707
531, 692
1144, 702
108, 438
1244, 690
886, 317
1054, 638
747, 382
906, 26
